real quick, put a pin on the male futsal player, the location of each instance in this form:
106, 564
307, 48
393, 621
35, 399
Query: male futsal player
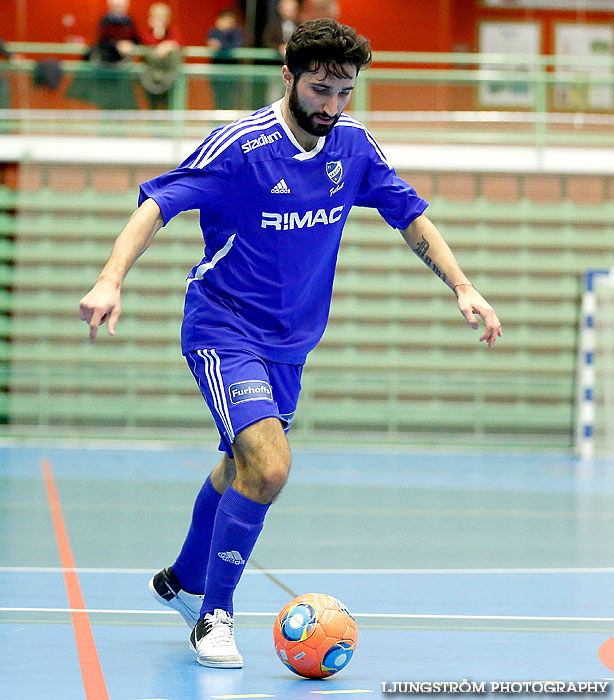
274, 191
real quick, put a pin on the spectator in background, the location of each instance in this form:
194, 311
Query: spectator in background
223, 38
276, 35
320, 8
117, 35
162, 56
108, 84
280, 27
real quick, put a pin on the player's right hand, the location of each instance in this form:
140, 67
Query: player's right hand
101, 304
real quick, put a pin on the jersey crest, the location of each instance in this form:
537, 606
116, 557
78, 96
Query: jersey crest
334, 170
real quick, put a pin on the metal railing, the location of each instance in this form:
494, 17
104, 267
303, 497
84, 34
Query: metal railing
442, 97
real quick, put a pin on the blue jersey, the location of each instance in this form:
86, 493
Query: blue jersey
272, 215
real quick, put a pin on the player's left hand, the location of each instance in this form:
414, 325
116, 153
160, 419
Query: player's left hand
470, 303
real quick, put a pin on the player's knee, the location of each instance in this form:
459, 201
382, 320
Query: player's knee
263, 480
269, 478
263, 459
274, 478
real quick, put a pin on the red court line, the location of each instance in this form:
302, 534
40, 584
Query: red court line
91, 671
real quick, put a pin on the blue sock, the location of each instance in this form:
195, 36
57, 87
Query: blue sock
238, 523
191, 565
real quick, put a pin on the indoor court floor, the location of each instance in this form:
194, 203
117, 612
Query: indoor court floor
487, 567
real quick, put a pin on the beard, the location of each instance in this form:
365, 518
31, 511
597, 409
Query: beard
307, 121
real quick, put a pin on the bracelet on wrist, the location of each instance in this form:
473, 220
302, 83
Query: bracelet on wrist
462, 284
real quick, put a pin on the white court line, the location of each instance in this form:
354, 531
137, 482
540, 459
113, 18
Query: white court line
324, 572
398, 616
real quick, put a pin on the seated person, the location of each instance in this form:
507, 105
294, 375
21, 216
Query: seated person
117, 34
108, 85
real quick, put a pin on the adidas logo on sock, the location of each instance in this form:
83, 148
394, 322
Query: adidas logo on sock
233, 557
281, 188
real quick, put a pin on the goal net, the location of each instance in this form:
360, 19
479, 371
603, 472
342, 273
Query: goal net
595, 402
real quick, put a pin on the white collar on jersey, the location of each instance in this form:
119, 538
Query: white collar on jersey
302, 154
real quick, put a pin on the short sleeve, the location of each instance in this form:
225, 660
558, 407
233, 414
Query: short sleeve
382, 189
189, 187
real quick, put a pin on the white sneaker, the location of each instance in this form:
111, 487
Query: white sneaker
213, 641
166, 589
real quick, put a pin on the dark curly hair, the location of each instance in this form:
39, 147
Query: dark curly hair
329, 44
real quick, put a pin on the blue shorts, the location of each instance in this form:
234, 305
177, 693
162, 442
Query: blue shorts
241, 388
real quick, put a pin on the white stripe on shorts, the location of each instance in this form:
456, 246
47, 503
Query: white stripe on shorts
216, 386
212, 387
225, 404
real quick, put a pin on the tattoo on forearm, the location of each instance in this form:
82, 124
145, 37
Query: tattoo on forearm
421, 251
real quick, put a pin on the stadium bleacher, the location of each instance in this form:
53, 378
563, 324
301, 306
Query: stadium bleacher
397, 359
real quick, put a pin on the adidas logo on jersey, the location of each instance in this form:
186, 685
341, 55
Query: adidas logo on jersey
233, 557
281, 188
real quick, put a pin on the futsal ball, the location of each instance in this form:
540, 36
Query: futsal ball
315, 635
